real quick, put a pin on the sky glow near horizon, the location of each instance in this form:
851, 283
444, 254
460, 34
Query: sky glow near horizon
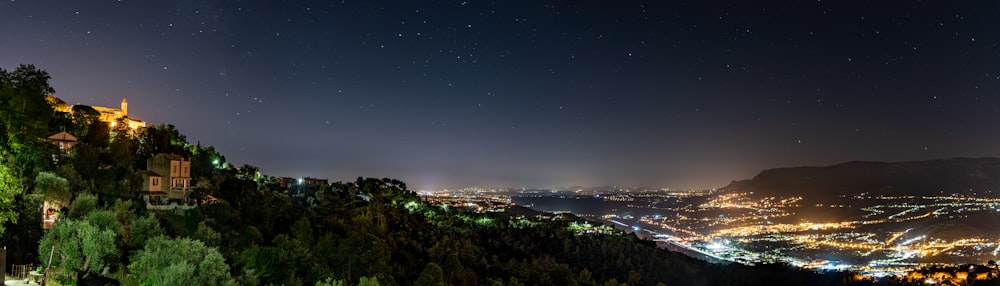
448, 94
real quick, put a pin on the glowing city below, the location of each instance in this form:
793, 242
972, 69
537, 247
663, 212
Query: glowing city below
869, 234
883, 241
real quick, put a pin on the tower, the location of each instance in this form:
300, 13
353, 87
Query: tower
124, 107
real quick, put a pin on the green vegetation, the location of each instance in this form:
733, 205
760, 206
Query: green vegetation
82, 248
249, 230
9, 189
53, 187
181, 261
24, 119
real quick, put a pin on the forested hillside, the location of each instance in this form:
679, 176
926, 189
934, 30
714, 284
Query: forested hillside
249, 229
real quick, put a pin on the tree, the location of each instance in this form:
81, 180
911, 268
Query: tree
207, 235
585, 278
24, 122
612, 282
24, 112
21, 239
205, 162
141, 229
9, 189
53, 187
265, 262
84, 116
452, 269
182, 261
86, 160
68, 172
361, 254
104, 220
161, 139
82, 206
122, 149
81, 248
124, 212
302, 231
98, 135
365, 281
249, 278
329, 281
287, 262
634, 277
431, 276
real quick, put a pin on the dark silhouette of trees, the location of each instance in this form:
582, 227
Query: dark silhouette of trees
164, 138
84, 116
24, 112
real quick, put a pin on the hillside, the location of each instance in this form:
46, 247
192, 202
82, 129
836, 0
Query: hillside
242, 227
965, 176
238, 226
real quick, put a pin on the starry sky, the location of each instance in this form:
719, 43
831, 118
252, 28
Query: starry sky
449, 94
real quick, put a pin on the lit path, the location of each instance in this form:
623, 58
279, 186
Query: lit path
668, 238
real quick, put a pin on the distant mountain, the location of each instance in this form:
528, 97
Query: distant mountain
967, 176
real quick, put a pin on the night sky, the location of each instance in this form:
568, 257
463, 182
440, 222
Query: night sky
447, 94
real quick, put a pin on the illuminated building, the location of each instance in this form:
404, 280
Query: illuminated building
107, 114
163, 169
112, 115
63, 140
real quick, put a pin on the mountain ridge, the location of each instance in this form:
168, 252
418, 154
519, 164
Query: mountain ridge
960, 175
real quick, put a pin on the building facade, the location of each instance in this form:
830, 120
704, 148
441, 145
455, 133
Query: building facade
112, 115
64, 140
107, 114
167, 177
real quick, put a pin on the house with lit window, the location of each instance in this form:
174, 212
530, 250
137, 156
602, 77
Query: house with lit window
167, 178
63, 140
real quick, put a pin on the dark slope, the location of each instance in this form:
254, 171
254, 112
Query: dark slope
969, 176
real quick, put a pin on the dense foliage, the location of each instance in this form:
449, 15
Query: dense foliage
24, 119
182, 261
